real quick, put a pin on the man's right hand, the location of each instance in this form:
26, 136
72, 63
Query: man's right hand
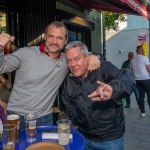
5, 39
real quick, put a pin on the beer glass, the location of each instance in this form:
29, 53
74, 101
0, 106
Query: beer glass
30, 120
14, 119
8, 138
63, 131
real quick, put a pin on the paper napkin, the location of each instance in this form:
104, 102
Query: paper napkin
47, 135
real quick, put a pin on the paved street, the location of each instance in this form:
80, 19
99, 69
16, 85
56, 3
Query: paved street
137, 135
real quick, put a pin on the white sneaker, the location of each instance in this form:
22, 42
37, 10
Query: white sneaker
142, 114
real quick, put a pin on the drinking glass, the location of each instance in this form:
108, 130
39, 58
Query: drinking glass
14, 119
8, 137
63, 131
30, 120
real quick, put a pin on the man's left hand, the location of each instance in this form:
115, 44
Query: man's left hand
102, 93
94, 63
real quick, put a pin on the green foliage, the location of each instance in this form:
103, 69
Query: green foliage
3, 29
112, 20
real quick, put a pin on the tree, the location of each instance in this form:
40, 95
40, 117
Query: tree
112, 20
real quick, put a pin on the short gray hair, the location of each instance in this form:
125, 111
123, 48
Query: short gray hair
79, 44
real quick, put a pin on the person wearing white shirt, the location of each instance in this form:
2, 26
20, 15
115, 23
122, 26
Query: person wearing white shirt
141, 69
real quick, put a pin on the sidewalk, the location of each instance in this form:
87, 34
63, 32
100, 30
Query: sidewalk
137, 135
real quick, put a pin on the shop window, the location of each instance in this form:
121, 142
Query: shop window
2, 22
74, 36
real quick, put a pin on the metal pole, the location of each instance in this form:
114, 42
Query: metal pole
104, 35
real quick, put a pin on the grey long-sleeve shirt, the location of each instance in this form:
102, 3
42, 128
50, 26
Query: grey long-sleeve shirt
37, 80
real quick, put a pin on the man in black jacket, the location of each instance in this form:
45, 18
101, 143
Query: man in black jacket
93, 99
127, 64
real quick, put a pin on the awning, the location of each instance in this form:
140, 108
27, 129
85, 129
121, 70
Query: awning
140, 6
133, 7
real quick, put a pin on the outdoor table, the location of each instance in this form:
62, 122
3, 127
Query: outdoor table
75, 143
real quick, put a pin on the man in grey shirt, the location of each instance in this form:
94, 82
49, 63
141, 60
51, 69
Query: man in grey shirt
40, 70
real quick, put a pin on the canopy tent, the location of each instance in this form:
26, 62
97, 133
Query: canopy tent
133, 7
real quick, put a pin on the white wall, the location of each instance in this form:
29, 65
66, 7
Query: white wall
125, 40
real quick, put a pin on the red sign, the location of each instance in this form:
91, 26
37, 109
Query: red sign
142, 38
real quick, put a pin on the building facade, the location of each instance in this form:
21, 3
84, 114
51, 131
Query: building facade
119, 43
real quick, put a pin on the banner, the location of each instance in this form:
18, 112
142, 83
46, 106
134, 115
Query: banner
142, 40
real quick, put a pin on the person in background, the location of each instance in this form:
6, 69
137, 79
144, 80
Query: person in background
141, 69
5, 86
93, 99
127, 64
40, 70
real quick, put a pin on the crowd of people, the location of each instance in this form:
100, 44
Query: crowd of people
92, 91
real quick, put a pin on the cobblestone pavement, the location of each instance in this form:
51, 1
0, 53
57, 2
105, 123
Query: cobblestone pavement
137, 135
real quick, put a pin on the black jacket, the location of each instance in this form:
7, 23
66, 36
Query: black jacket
102, 120
126, 64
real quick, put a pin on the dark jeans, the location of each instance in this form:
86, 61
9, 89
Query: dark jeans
117, 144
42, 121
136, 93
143, 86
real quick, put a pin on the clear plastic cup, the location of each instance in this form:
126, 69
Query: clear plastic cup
63, 131
8, 137
14, 119
30, 120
